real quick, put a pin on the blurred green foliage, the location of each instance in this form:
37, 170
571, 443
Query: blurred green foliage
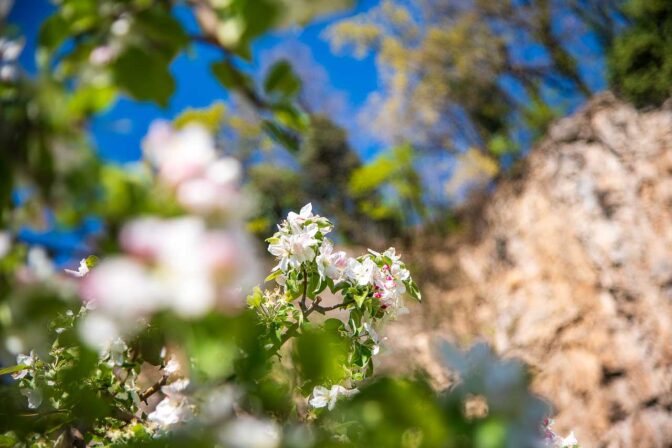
640, 62
444, 64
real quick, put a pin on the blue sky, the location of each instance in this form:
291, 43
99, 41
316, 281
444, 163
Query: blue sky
118, 132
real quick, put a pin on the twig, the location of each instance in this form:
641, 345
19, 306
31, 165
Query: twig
322, 309
302, 303
248, 92
154, 388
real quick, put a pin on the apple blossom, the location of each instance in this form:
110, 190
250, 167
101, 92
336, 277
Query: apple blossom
172, 367
26, 360
294, 249
215, 189
116, 352
179, 264
249, 432
296, 221
103, 55
97, 330
374, 337
178, 155
329, 263
40, 265
175, 408
327, 397
361, 273
81, 271
34, 397
123, 287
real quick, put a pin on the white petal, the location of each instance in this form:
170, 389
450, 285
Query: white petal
306, 211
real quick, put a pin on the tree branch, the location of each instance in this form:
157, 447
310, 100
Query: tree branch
246, 90
154, 388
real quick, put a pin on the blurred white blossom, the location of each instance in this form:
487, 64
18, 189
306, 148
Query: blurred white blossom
175, 407
249, 432
178, 155
40, 266
81, 271
328, 397
26, 360
5, 243
116, 352
103, 55
34, 397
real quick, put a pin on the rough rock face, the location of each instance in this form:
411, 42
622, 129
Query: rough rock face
569, 267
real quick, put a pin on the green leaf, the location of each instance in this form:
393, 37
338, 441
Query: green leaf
314, 283
255, 299
210, 117
323, 285
333, 324
88, 100
282, 80
259, 16
13, 369
359, 299
413, 290
8, 440
144, 75
273, 275
281, 136
163, 29
230, 76
290, 116
53, 32
320, 356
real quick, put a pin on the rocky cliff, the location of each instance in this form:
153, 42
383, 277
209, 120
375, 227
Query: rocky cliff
569, 267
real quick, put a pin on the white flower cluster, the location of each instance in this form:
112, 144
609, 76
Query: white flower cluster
387, 280
297, 241
175, 408
552, 440
175, 264
32, 393
301, 239
180, 264
186, 160
375, 282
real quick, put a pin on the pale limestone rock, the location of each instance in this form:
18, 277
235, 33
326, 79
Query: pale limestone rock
569, 267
